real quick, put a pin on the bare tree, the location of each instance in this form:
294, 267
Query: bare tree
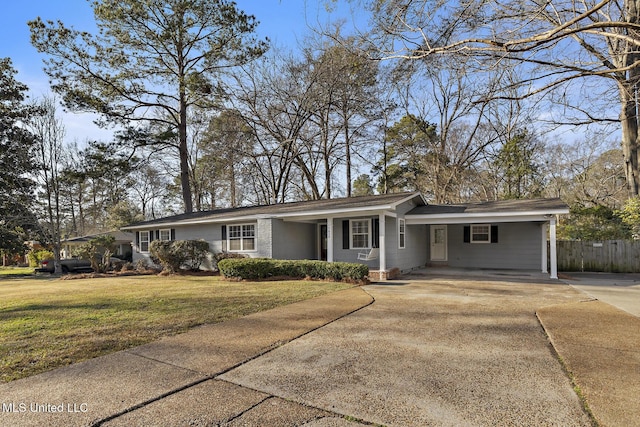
346, 99
589, 174
149, 186
227, 141
556, 44
444, 92
274, 98
49, 133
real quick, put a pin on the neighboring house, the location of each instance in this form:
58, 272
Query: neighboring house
389, 232
123, 244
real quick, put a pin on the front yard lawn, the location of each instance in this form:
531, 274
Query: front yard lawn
16, 271
46, 323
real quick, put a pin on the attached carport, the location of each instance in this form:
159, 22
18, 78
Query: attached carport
510, 234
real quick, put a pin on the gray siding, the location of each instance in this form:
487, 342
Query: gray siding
412, 256
294, 240
208, 232
264, 240
347, 255
519, 247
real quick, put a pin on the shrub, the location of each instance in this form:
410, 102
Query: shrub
175, 254
36, 257
225, 255
262, 268
141, 265
98, 251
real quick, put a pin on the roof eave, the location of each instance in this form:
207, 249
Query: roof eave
492, 217
326, 213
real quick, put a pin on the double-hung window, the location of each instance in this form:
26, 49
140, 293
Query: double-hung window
360, 234
480, 233
242, 237
401, 233
144, 241
165, 235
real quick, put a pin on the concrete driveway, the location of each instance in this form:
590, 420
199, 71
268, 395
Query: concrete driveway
618, 289
440, 351
426, 351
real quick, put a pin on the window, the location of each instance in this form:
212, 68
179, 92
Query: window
401, 233
480, 233
144, 241
360, 234
164, 235
242, 237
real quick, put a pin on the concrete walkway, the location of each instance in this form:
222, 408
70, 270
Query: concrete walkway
621, 290
172, 382
443, 351
600, 347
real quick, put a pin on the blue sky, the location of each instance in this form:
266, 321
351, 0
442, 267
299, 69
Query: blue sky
283, 21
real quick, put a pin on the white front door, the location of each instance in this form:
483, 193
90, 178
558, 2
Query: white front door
438, 243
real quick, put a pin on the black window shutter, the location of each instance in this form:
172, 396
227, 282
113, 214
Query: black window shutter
375, 241
494, 234
223, 231
173, 234
467, 234
345, 234
137, 241
157, 232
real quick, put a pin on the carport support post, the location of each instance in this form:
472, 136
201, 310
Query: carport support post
552, 249
383, 246
544, 228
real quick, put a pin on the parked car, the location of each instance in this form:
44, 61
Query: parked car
72, 265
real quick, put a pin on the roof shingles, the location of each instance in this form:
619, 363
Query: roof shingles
546, 205
344, 203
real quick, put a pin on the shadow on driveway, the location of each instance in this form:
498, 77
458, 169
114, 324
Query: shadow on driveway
447, 351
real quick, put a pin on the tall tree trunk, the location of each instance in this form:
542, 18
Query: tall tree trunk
232, 184
347, 145
629, 103
81, 226
629, 122
184, 155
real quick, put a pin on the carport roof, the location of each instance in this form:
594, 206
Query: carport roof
501, 210
120, 236
492, 207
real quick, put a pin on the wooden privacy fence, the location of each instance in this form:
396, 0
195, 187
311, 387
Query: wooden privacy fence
615, 256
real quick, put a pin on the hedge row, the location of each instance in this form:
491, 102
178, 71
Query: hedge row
263, 268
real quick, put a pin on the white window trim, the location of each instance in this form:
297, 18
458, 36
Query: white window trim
241, 238
148, 241
471, 233
167, 230
402, 231
369, 232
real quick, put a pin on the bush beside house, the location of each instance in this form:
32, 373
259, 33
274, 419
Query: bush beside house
176, 254
264, 268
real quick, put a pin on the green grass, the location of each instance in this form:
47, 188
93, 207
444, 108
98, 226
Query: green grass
15, 271
47, 322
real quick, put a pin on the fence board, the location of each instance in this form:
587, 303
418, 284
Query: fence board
615, 256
